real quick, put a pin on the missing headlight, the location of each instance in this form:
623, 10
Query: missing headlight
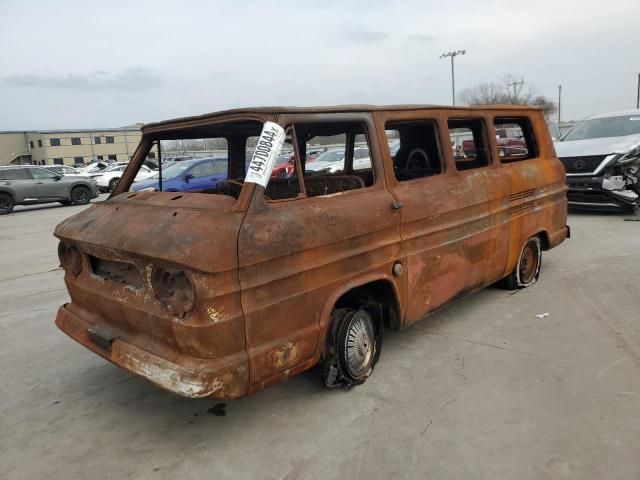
70, 258
174, 289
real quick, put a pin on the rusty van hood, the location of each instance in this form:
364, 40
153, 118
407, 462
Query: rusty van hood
197, 230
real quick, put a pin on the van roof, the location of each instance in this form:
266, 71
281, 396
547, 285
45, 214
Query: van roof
332, 109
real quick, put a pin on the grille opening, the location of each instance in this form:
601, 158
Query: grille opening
115, 271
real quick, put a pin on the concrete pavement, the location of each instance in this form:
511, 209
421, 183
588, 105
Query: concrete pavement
483, 389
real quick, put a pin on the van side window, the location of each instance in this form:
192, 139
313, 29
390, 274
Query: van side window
515, 139
468, 143
335, 159
414, 149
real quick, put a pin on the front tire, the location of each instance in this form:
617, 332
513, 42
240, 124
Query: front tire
80, 195
357, 346
527, 270
113, 183
6, 204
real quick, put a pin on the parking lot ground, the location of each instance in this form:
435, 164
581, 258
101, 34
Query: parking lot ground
483, 389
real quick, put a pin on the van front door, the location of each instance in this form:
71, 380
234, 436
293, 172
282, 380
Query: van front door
301, 242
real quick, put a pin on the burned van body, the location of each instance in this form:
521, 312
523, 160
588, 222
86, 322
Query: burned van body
222, 291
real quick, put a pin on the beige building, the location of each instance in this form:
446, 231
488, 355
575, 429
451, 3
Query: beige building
69, 147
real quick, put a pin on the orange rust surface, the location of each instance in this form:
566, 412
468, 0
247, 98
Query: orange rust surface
266, 274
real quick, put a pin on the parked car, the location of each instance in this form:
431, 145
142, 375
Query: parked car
110, 176
65, 170
224, 292
601, 155
29, 185
331, 161
186, 175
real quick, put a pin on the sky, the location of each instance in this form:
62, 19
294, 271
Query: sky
90, 64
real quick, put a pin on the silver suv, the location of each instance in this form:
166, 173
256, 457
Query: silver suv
28, 185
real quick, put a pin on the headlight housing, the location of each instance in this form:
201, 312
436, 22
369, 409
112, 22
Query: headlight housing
70, 258
174, 289
629, 157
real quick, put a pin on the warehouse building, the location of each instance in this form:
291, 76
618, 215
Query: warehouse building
69, 147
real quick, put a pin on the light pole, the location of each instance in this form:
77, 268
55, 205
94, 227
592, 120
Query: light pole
452, 55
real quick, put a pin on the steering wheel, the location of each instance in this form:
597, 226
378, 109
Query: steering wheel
417, 159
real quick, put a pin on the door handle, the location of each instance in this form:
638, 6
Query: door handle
397, 205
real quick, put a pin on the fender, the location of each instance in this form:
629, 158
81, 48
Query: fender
325, 316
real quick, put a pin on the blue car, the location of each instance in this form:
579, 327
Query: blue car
186, 175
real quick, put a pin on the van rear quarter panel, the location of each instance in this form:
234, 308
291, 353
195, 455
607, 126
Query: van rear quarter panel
536, 201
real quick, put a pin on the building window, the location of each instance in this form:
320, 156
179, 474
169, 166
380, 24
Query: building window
151, 155
58, 161
31, 143
100, 157
78, 160
55, 142
112, 157
97, 140
75, 141
109, 139
40, 143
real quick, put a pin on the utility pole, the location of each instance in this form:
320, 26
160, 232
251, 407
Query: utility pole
515, 89
638, 97
452, 55
559, 103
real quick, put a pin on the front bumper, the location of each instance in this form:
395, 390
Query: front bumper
587, 193
194, 378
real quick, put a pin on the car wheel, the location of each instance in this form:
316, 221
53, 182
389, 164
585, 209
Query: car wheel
6, 204
80, 195
112, 184
527, 270
354, 350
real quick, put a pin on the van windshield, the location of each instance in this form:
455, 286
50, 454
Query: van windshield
605, 127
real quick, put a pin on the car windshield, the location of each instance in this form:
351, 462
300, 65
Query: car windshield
605, 127
174, 170
112, 168
330, 156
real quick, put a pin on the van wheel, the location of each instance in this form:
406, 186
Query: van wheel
80, 195
6, 204
527, 269
355, 350
113, 183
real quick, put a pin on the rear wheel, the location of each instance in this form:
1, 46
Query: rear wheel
113, 183
80, 195
6, 204
527, 270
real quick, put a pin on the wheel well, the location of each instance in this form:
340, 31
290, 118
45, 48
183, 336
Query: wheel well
379, 292
544, 238
7, 192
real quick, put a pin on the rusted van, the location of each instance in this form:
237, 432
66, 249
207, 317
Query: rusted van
223, 291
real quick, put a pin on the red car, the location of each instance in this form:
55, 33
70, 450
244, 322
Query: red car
284, 169
510, 143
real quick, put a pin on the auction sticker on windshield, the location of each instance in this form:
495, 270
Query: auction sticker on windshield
264, 156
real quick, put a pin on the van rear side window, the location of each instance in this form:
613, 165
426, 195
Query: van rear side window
515, 139
468, 143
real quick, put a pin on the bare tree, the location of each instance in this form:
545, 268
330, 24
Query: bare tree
511, 90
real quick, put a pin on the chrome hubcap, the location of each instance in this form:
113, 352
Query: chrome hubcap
359, 345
